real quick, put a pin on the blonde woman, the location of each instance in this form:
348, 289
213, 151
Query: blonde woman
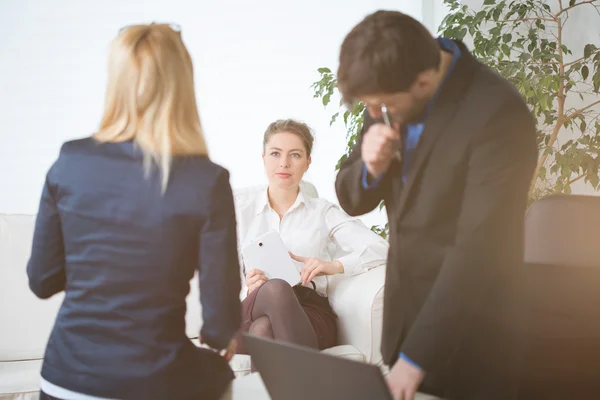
125, 219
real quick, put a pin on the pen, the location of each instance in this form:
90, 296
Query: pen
388, 122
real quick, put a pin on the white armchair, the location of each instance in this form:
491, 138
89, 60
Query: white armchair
357, 300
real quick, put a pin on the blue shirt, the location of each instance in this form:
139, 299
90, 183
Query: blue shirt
413, 134
124, 255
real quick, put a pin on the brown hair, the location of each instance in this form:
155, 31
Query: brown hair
299, 129
384, 53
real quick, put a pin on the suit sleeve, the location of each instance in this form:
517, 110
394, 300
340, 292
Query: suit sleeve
488, 249
46, 266
353, 196
219, 269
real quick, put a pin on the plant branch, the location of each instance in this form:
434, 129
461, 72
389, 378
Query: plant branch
561, 105
582, 58
580, 111
524, 20
563, 10
576, 179
541, 4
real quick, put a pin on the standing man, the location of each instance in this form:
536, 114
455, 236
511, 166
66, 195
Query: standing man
453, 163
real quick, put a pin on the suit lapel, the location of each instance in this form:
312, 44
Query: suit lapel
442, 112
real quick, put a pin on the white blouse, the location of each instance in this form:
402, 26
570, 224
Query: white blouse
312, 227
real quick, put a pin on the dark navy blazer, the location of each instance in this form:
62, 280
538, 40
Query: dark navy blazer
124, 254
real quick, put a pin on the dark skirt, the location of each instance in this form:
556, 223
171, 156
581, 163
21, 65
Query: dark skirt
317, 308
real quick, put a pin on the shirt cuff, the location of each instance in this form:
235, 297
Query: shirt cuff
411, 362
351, 263
365, 180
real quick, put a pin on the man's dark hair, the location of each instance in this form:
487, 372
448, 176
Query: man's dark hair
384, 53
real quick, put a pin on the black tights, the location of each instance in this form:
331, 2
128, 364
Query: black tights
277, 314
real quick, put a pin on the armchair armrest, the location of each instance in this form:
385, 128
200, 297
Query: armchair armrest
358, 302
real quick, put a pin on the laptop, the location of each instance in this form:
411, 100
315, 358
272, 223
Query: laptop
292, 372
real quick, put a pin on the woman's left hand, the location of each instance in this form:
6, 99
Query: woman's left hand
315, 267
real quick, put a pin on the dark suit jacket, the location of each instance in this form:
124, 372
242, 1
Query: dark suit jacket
456, 226
124, 254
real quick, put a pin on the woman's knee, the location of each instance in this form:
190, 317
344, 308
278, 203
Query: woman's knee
276, 289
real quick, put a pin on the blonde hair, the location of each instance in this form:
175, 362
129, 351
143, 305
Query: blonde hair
150, 96
297, 128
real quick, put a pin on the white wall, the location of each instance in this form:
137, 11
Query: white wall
433, 13
254, 62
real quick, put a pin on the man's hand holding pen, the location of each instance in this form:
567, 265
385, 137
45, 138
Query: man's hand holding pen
380, 144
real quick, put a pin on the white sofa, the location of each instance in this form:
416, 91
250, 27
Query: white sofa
26, 321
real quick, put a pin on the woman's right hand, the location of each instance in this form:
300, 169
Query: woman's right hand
255, 279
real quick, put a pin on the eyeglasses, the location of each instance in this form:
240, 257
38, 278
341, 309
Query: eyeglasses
174, 27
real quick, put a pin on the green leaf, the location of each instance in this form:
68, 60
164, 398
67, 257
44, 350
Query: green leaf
593, 179
333, 118
582, 126
340, 161
479, 17
571, 3
588, 50
596, 80
496, 14
585, 72
324, 70
489, 2
507, 37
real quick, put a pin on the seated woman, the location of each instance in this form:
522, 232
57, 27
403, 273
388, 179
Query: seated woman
126, 218
310, 228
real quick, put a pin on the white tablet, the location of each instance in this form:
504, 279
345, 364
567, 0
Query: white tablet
269, 254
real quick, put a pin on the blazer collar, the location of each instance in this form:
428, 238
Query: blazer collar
443, 110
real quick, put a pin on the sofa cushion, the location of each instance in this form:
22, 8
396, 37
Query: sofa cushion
20, 379
240, 364
346, 351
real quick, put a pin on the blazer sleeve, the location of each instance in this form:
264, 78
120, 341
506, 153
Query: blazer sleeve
219, 268
489, 245
354, 198
46, 266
